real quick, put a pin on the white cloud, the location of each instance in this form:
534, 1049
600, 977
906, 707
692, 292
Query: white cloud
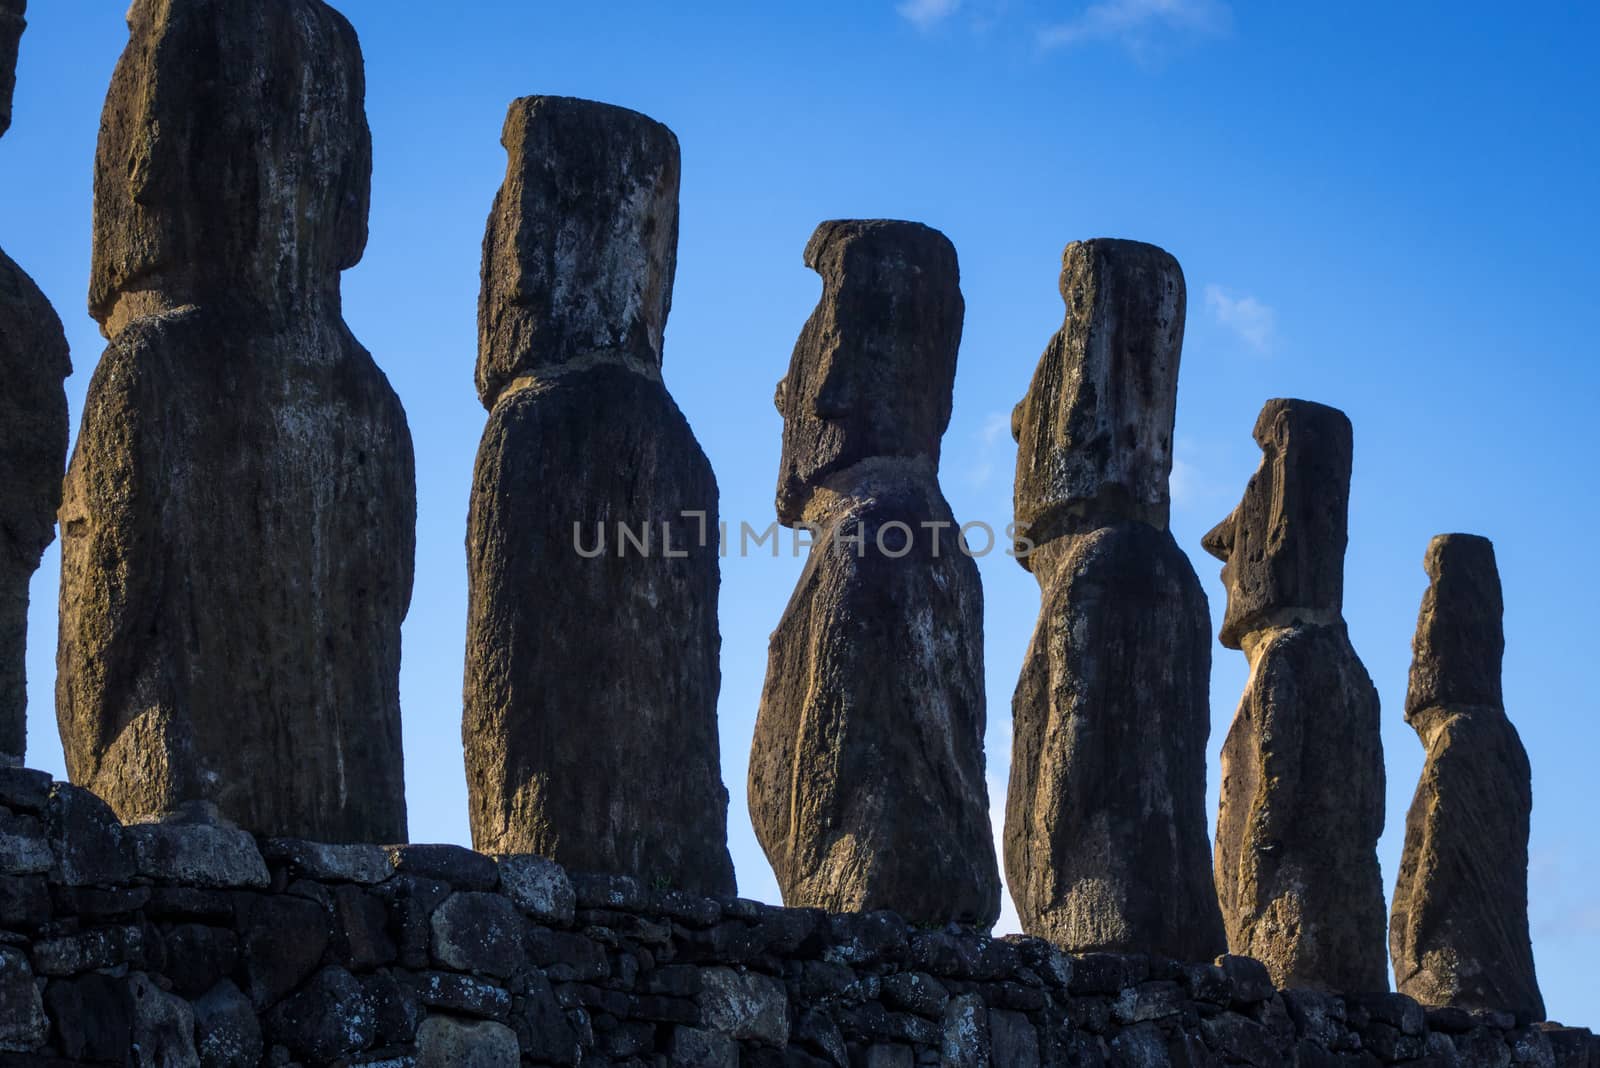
1183, 482
996, 425
1254, 322
925, 14
1140, 26
992, 437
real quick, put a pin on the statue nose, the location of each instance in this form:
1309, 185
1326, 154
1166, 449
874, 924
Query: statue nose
1219, 540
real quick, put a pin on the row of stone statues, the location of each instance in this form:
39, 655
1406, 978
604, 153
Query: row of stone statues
238, 534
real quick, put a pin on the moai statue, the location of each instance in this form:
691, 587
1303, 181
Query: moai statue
591, 672
1105, 835
1302, 767
239, 516
867, 785
1458, 932
33, 438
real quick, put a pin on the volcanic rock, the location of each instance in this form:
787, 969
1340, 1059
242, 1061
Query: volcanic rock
1302, 767
867, 785
239, 515
1105, 836
1458, 928
591, 673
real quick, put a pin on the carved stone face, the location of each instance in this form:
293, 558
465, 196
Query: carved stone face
11, 27
234, 159
1094, 433
1283, 547
1460, 643
872, 373
582, 243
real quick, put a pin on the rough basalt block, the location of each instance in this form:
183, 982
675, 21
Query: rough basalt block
591, 670
1458, 929
238, 524
866, 785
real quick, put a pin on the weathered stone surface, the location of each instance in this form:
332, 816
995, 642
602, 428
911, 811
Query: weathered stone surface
456, 865
539, 887
33, 437
965, 1042
198, 854
163, 1027
23, 1024
591, 681
92, 1017
446, 1042
330, 1018
866, 783
226, 1031
275, 965
1094, 433
1105, 835
24, 848
706, 1049
350, 863
461, 994
632, 986
239, 515
1302, 767
198, 957
479, 933
1458, 929
745, 1005
100, 947
25, 790
89, 845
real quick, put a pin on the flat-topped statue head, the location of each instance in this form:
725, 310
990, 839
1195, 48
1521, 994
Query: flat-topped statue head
1460, 641
1094, 433
1283, 547
234, 162
582, 241
11, 26
875, 365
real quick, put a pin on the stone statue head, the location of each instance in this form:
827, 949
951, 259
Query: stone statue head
1459, 645
875, 364
234, 160
1283, 547
1094, 433
582, 242
11, 26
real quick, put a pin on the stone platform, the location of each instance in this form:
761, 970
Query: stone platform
195, 944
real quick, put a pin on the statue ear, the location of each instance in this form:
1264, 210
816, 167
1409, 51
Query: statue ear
1279, 434
1016, 420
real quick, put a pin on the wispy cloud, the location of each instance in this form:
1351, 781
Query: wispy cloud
925, 14
1254, 322
1142, 27
992, 438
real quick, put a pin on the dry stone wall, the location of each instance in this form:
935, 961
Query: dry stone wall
196, 944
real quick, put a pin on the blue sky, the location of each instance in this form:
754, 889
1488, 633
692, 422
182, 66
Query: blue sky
1385, 207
